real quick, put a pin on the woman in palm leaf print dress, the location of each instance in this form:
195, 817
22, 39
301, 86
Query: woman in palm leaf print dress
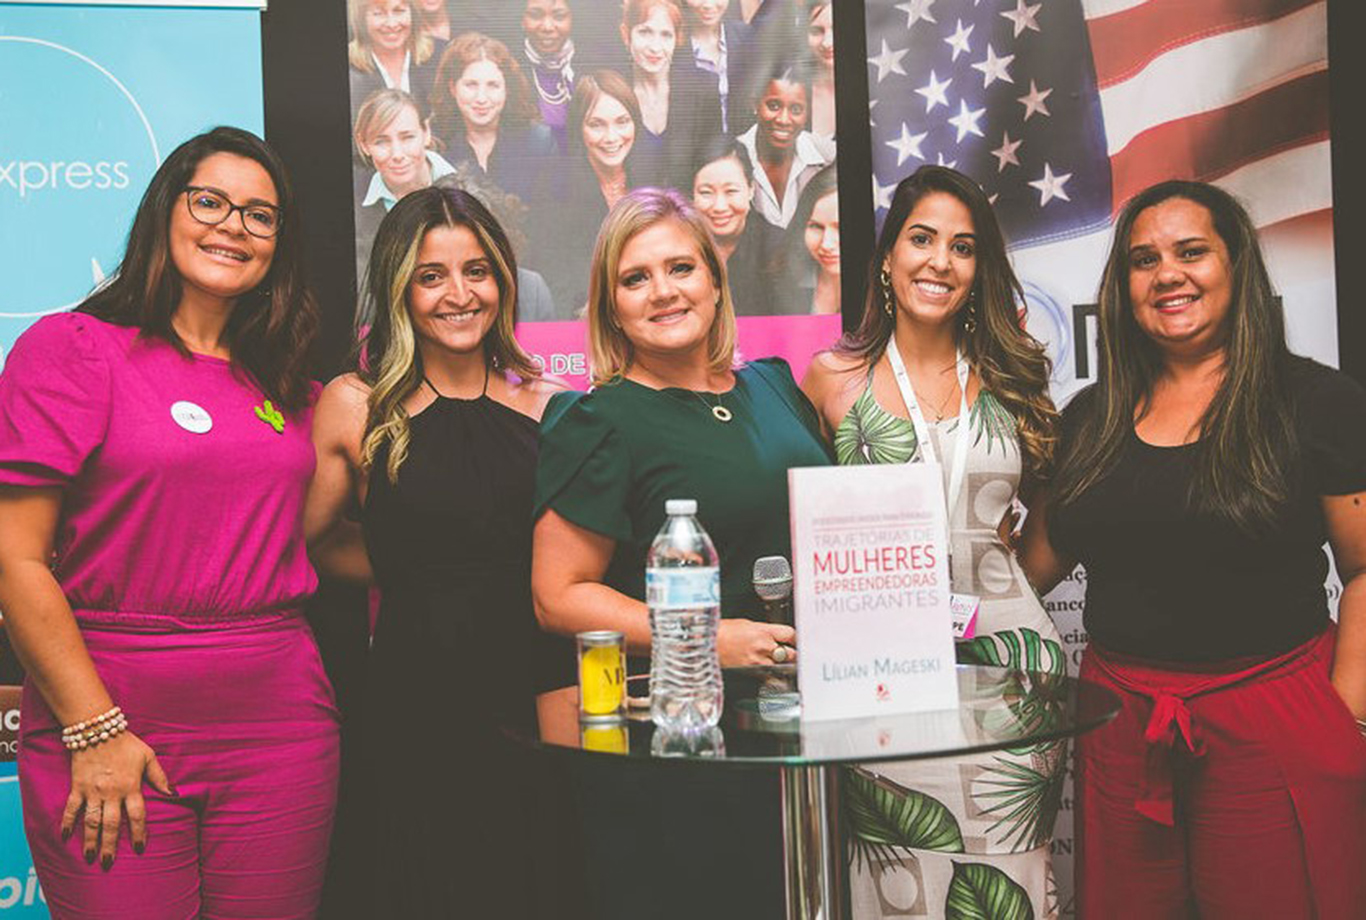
942, 296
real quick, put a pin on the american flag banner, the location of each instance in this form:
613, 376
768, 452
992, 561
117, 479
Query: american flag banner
1064, 109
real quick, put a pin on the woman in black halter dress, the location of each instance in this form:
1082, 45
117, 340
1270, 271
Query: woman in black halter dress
440, 450
450, 543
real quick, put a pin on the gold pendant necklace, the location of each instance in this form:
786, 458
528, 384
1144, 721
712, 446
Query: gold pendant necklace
944, 405
718, 411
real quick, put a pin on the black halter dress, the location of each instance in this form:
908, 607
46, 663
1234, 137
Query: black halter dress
453, 660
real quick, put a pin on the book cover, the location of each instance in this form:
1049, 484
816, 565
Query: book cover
871, 590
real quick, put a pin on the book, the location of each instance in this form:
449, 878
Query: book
871, 590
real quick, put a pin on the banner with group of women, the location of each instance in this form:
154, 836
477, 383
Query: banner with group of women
550, 110
93, 98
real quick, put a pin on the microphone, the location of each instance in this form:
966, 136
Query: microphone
773, 584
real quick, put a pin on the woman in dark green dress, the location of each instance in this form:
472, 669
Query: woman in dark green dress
671, 417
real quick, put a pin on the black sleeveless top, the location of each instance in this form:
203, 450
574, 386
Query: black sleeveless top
452, 663
1167, 582
450, 544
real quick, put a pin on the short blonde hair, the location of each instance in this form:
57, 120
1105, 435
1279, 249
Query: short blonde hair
609, 350
379, 110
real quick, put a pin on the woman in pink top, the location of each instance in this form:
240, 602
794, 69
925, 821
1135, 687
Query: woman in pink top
178, 753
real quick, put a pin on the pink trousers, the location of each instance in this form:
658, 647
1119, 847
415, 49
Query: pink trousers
1221, 792
243, 722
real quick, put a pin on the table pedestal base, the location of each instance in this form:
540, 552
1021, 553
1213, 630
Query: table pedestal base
812, 852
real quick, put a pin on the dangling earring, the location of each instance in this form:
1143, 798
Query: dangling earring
885, 280
970, 320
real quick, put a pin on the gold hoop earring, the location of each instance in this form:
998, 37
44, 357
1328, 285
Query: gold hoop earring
885, 279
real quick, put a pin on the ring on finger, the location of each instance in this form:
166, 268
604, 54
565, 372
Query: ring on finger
781, 653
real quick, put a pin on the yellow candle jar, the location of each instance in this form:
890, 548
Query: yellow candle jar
602, 675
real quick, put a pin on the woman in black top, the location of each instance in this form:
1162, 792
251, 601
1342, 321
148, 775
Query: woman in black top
549, 57
1197, 482
433, 439
724, 48
721, 192
386, 50
604, 128
680, 104
483, 112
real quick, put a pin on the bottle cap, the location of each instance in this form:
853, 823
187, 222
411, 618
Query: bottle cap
680, 506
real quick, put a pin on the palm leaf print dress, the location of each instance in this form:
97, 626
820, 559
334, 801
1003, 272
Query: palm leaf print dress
966, 837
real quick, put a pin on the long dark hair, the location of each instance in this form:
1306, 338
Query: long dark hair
824, 182
588, 89
272, 327
1247, 436
1011, 363
388, 357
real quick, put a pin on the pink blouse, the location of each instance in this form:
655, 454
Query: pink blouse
182, 508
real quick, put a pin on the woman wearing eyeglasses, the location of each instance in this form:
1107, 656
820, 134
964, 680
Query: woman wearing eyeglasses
178, 756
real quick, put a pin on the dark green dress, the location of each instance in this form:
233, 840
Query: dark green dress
608, 461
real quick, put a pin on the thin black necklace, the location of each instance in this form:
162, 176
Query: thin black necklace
441, 395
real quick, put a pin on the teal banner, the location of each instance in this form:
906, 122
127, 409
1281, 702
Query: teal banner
92, 98
20, 894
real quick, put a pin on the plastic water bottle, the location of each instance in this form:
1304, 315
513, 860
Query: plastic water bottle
683, 591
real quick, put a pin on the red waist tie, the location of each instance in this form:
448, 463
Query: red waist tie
1171, 717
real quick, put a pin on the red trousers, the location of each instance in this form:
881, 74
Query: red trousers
1235, 790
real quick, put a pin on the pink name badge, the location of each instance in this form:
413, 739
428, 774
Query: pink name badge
964, 608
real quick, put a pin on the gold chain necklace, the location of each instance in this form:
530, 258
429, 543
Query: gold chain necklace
944, 405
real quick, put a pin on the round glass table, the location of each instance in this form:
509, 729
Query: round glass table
762, 725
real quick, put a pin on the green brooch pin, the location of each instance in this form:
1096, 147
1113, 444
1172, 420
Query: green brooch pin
272, 417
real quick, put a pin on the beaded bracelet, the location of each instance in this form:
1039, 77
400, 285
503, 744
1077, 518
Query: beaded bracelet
95, 730
94, 736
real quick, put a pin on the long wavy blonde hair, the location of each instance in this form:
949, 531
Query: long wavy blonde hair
388, 359
609, 350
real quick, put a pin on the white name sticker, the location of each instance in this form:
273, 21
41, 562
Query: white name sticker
191, 417
964, 608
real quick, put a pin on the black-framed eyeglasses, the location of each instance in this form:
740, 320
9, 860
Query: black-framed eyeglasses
212, 207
